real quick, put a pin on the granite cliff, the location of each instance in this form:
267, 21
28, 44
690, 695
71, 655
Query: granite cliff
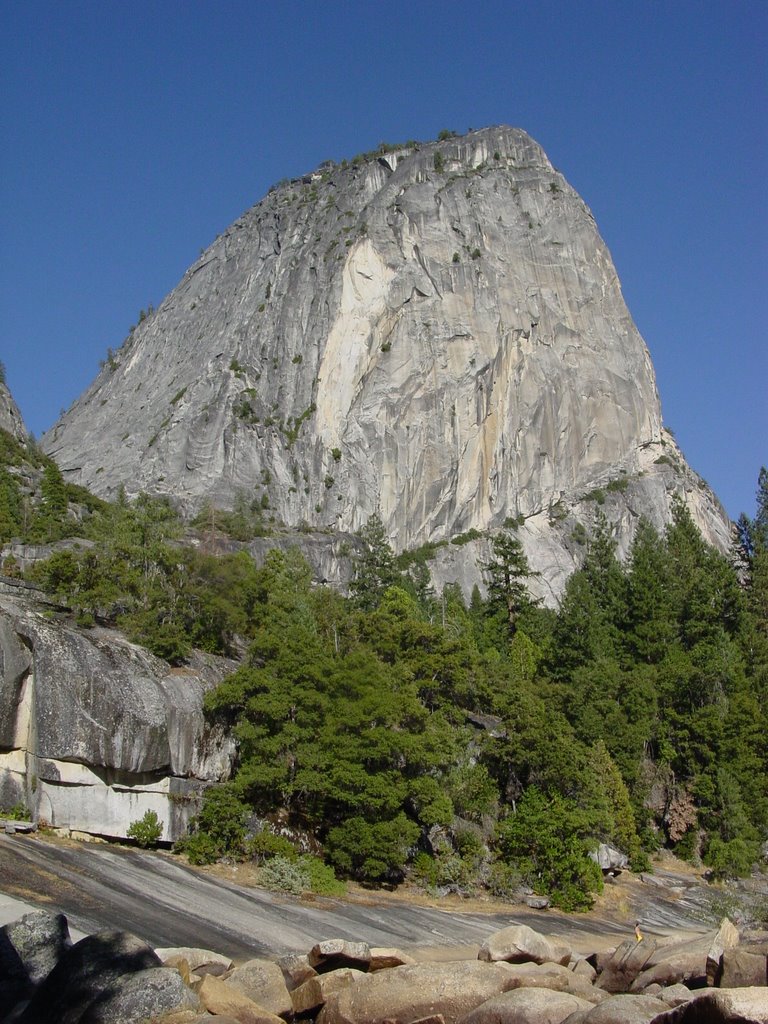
10, 417
434, 332
95, 731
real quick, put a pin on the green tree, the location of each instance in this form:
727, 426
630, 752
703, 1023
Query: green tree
507, 574
375, 568
546, 839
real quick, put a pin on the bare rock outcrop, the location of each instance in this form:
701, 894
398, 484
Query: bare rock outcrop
10, 417
436, 334
95, 731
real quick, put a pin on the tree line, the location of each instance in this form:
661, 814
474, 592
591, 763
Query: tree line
488, 743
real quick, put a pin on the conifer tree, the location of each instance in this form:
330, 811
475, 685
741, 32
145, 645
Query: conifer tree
507, 575
375, 570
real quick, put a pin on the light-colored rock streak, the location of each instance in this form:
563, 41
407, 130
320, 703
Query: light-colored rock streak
353, 342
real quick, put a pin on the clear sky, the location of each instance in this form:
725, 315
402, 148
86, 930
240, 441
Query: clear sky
133, 133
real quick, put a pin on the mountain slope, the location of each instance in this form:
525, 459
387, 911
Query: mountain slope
436, 333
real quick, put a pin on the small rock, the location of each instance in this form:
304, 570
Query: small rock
194, 956
383, 957
334, 953
296, 970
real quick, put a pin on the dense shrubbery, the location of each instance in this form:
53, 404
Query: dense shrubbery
485, 745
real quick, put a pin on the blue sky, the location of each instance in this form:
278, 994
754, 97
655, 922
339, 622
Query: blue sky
133, 133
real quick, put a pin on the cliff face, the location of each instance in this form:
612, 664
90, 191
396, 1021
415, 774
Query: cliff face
95, 731
10, 417
437, 334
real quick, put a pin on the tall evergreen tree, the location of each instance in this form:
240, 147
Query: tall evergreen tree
507, 574
375, 569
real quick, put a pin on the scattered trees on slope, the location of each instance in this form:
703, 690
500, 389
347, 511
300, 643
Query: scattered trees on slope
403, 731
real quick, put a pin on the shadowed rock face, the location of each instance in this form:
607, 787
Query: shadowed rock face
10, 417
438, 335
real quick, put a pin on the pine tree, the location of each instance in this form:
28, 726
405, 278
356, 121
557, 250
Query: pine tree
507, 575
375, 570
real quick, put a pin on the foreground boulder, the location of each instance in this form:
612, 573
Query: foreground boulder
527, 1006
726, 1006
85, 975
520, 944
409, 993
621, 970
39, 939
621, 1009
222, 999
262, 981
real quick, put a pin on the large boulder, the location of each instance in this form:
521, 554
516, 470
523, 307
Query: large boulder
556, 978
621, 1009
527, 1006
620, 970
726, 938
721, 1006
263, 982
520, 944
743, 968
141, 996
417, 990
220, 998
85, 974
315, 992
686, 961
40, 939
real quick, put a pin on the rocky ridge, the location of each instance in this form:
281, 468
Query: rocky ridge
519, 977
10, 417
434, 332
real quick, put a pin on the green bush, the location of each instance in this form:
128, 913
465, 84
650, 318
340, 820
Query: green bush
265, 844
146, 831
16, 813
285, 875
322, 877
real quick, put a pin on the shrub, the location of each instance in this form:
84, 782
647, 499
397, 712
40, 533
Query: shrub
146, 831
285, 875
439, 162
456, 258
265, 844
336, 453
16, 813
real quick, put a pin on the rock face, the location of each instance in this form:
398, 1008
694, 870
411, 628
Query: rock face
10, 417
95, 731
437, 334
